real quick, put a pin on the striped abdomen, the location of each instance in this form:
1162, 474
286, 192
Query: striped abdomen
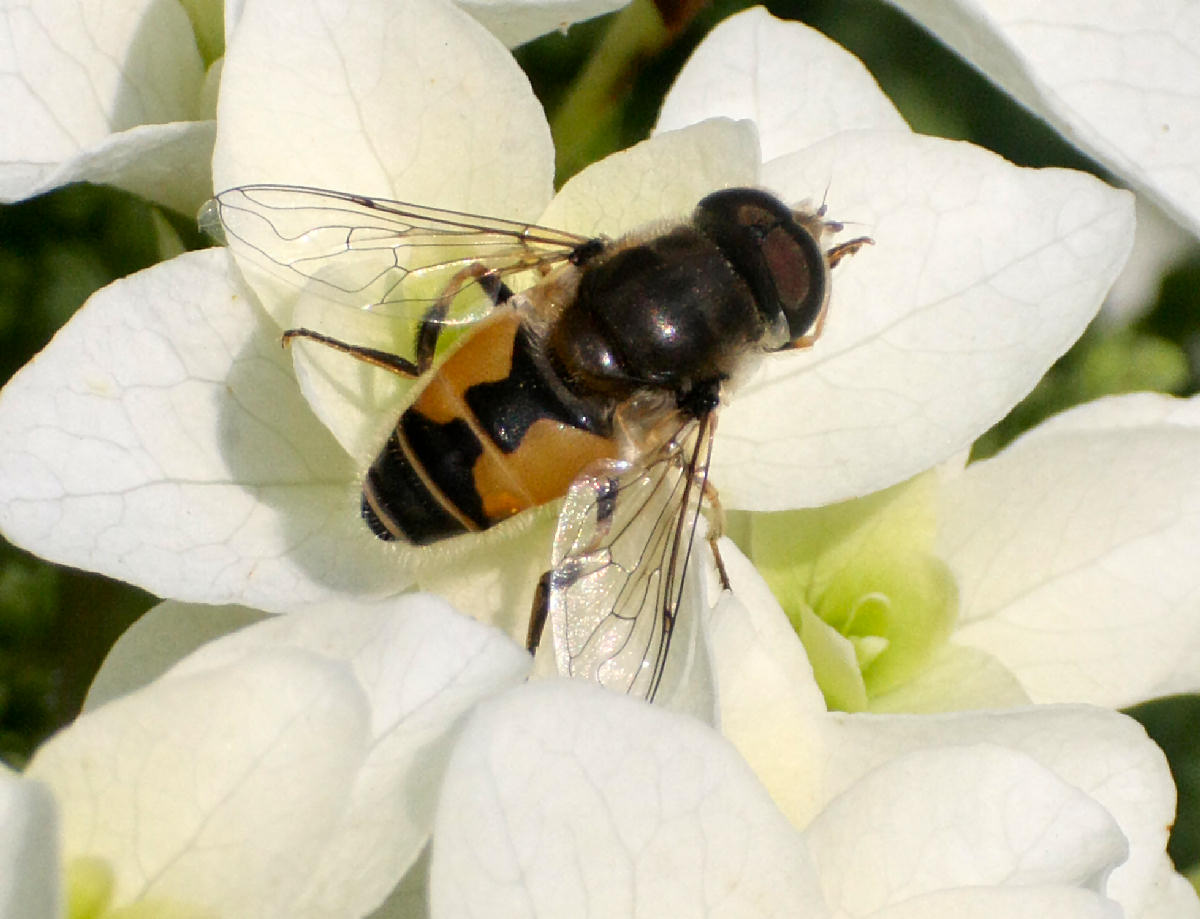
486, 438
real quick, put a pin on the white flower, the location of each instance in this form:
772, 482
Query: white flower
515, 22
1075, 552
1061, 570
773, 712
289, 769
108, 93
123, 95
298, 766
161, 439
561, 800
1119, 80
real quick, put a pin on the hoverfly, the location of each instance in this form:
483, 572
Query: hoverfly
593, 372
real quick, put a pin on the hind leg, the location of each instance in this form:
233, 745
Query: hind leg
427, 333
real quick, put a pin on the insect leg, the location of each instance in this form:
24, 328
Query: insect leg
383, 359
564, 575
539, 611
722, 574
841, 250
431, 323
716, 529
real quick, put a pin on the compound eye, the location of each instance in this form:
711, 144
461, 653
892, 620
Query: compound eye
774, 254
794, 262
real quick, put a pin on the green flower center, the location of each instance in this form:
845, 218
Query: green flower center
862, 588
893, 612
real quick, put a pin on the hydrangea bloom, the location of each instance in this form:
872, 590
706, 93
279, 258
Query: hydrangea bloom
163, 439
298, 766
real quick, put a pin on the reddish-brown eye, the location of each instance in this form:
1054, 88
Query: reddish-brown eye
787, 264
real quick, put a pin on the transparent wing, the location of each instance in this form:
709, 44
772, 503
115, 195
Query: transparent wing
620, 555
372, 253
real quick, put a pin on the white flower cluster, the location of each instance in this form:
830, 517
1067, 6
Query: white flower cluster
374, 751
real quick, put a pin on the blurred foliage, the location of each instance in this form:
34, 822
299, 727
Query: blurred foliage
602, 83
56, 625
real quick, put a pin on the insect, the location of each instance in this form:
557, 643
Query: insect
593, 370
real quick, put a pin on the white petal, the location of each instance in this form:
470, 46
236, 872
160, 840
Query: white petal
1172, 896
1159, 245
233, 16
158, 639
796, 85
1075, 553
1103, 754
1121, 80
515, 22
981, 275
563, 799
76, 73
1005, 903
756, 641
1128, 411
493, 576
216, 790
413, 100
959, 817
167, 163
160, 439
768, 698
657, 179
29, 860
407, 653
420, 666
